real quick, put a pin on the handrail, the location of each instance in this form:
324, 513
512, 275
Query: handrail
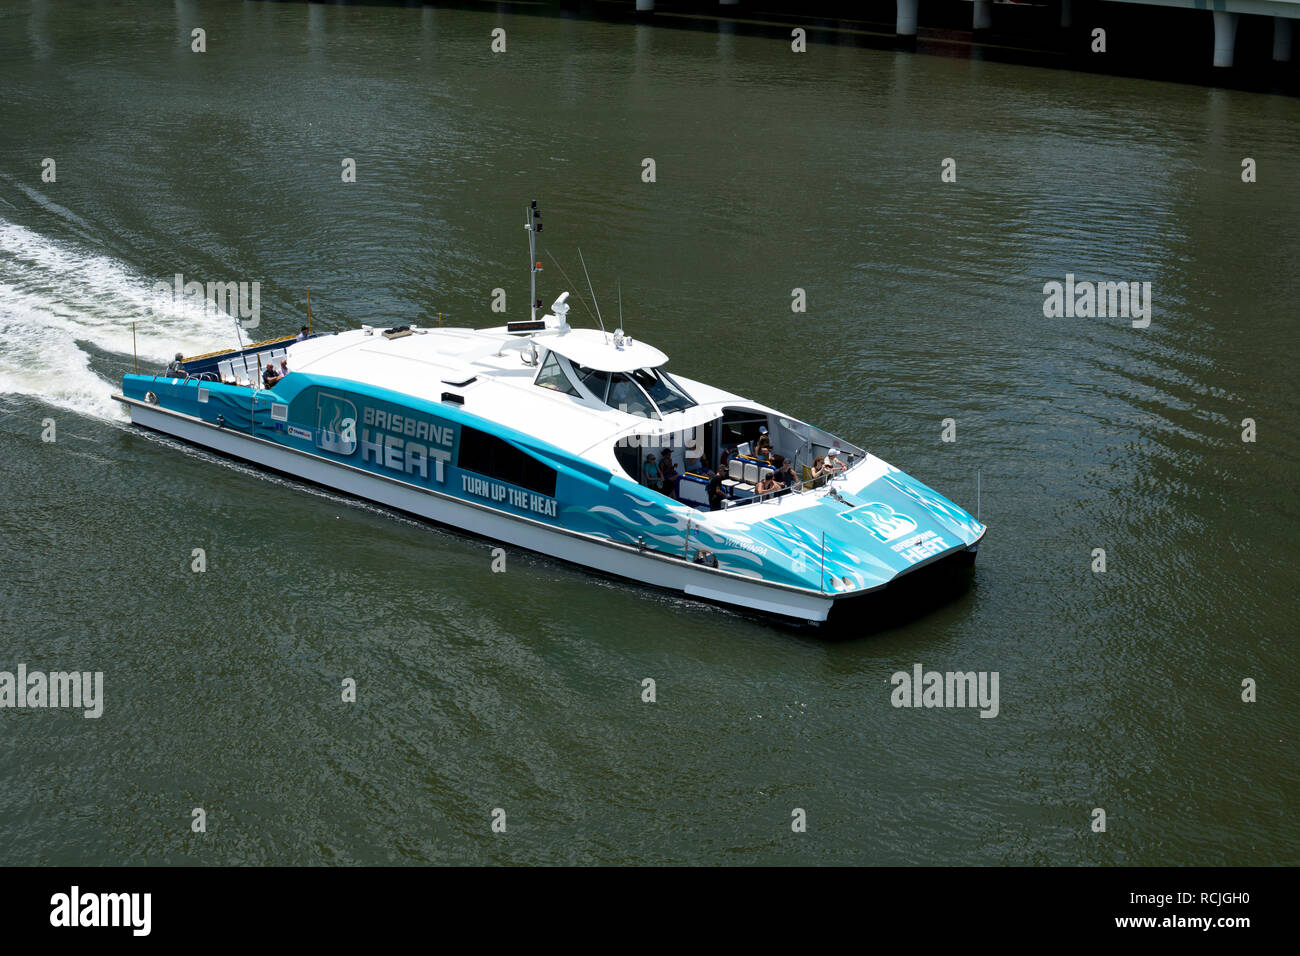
800, 486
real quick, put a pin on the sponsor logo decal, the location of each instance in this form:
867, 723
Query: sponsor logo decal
922, 546
336, 424
497, 492
881, 520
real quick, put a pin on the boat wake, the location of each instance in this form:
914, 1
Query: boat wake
59, 303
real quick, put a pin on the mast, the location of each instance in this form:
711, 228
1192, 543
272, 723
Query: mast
533, 223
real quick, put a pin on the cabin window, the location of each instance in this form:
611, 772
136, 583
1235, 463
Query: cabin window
663, 390
627, 396
552, 376
596, 382
493, 457
740, 426
629, 459
644, 392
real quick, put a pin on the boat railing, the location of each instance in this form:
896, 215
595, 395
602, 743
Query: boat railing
799, 487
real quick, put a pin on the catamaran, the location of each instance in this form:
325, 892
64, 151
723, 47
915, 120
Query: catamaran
575, 443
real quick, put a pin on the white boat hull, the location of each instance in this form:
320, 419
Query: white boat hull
644, 567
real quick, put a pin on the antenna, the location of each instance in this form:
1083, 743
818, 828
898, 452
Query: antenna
573, 286
593, 295
620, 303
533, 223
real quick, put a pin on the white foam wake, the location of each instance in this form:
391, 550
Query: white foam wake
55, 296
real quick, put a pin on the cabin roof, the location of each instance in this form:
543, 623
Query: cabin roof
605, 352
432, 361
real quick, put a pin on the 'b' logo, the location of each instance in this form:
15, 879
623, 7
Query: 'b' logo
336, 424
881, 520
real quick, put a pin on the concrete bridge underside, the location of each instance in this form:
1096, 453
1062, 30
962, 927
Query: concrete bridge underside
1225, 13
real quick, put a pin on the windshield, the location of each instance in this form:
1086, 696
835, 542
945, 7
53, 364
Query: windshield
663, 390
627, 397
644, 392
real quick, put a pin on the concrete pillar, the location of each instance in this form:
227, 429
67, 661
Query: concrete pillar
982, 19
1067, 14
1225, 37
1282, 39
906, 18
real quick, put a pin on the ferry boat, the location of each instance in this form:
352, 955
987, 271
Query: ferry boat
556, 439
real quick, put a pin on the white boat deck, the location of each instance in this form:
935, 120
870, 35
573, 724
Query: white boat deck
429, 362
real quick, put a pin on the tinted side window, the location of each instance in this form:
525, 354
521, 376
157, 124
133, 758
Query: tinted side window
552, 376
491, 457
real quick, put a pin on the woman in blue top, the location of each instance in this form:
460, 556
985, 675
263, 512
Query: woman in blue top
650, 473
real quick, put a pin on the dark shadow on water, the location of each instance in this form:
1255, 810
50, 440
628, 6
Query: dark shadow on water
1142, 40
906, 601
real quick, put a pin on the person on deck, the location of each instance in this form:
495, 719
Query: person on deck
716, 491
833, 464
785, 475
650, 473
818, 471
671, 476
269, 375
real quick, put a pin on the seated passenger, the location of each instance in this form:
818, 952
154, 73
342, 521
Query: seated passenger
716, 491
785, 475
766, 485
833, 464
818, 471
302, 334
269, 375
763, 445
284, 367
650, 473
669, 473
